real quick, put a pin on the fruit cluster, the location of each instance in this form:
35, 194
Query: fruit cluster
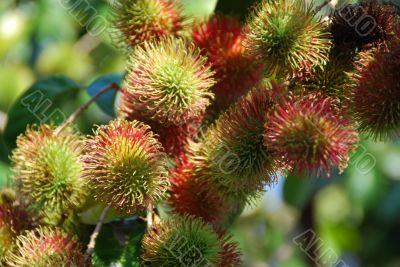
210, 113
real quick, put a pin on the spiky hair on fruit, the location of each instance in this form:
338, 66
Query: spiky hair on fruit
376, 92
190, 195
221, 40
183, 241
364, 25
167, 82
46, 247
47, 169
330, 79
14, 219
140, 21
287, 37
308, 134
175, 138
232, 155
125, 166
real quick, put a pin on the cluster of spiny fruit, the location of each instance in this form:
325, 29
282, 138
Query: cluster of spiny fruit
231, 104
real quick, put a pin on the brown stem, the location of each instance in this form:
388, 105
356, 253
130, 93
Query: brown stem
95, 234
73, 116
149, 219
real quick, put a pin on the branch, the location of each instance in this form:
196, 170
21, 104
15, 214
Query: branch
149, 218
93, 237
73, 116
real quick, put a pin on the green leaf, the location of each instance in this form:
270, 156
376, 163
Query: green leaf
107, 250
131, 256
5, 174
39, 104
296, 191
239, 8
3, 150
201, 8
107, 100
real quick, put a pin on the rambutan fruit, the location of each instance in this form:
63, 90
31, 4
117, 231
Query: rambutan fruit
192, 196
125, 166
232, 155
13, 220
140, 21
45, 247
175, 138
308, 134
230, 256
364, 25
221, 40
167, 82
48, 171
287, 37
183, 241
330, 79
376, 92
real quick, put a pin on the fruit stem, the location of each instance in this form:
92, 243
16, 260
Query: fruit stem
95, 234
73, 116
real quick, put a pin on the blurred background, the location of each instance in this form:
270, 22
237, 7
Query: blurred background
351, 219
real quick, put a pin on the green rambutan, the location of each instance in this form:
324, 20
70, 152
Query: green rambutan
308, 133
287, 37
330, 79
232, 154
47, 169
140, 21
167, 82
45, 247
376, 92
184, 241
125, 166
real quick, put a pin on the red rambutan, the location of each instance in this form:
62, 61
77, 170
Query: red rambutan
221, 40
365, 24
192, 196
376, 92
307, 133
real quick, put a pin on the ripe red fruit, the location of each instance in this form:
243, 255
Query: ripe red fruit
221, 40
308, 134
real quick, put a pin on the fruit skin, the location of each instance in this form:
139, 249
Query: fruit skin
140, 21
221, 40
286, 36
191, 195
167, 83
364, 25
46, 247
175, 138
124, 165
330, 79
308, 133
376, 92
14, 219
47, 170
185, 241
232, 155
